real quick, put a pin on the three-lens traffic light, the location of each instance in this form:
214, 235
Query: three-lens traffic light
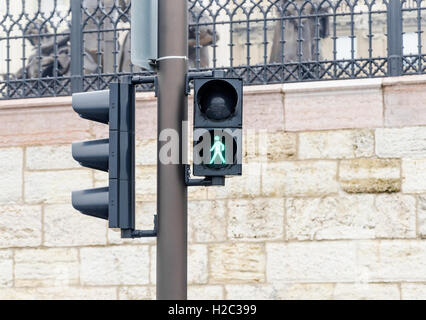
115, 107
218, 121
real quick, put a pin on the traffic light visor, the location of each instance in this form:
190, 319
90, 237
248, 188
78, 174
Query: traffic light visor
93, 202
92, 105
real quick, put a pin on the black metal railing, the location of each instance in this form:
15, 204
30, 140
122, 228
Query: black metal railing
57, 47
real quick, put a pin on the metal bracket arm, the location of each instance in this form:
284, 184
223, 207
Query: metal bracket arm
138, 80
206, 182
142, 80
134, 234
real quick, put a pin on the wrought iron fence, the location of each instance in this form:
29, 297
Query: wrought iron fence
57, 47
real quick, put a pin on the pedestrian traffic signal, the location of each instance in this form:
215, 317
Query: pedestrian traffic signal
115, 155
218, 126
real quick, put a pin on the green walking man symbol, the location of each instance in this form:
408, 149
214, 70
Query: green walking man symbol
217, 148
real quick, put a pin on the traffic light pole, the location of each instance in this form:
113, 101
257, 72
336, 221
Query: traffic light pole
171, 189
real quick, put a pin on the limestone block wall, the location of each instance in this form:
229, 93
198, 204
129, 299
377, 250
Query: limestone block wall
332, 203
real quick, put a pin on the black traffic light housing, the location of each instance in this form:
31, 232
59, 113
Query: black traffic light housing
218, 121
115, 155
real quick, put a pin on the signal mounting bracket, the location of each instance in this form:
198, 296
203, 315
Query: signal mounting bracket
206, 182
193, 75
134, 234
138, 80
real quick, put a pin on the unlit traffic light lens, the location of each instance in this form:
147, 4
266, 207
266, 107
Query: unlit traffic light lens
217, 100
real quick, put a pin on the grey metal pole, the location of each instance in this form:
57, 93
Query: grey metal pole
171, 189
395, 43
76, 47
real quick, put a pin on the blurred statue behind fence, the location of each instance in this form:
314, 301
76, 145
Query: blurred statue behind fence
300, 35
199, 18
295, 43
51, 56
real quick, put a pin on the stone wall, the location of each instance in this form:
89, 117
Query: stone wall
332, 203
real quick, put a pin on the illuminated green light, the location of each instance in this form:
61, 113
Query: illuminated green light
217, 149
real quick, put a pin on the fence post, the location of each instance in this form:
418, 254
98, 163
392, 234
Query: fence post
394, 30
76, 47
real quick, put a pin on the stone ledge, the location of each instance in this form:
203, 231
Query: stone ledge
140, 97
404, 101
311, 86
334, 85
58, 102
404, 80
35, 103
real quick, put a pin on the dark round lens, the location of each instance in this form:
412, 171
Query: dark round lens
217, 100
